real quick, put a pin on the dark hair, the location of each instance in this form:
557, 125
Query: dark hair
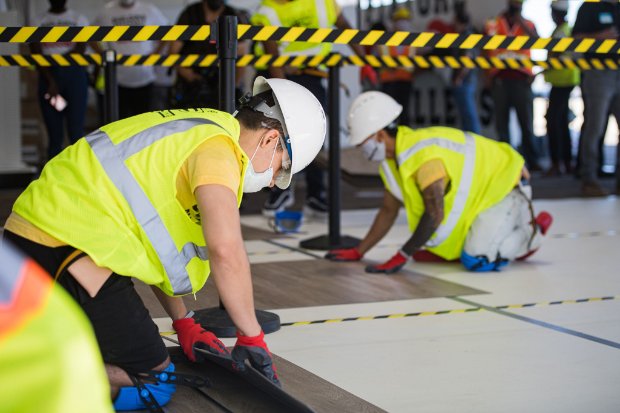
255, 120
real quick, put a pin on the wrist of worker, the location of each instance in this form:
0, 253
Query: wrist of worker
250, 331
407, 255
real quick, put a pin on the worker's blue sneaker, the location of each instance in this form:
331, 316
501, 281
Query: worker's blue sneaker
278, 201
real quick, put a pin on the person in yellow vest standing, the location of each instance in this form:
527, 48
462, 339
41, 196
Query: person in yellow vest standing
156, 197
511, 88
562, 83
49, 361
310, 14
464, 194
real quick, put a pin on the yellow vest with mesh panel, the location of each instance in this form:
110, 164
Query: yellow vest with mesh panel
298, 13
481, 173
113, 195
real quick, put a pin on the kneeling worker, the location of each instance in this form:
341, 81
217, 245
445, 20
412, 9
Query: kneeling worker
466, 196
156, 197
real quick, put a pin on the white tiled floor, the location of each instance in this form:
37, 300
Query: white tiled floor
480, 361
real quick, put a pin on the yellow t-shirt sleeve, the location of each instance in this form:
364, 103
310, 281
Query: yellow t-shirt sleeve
214, 162
430, 172
20, 226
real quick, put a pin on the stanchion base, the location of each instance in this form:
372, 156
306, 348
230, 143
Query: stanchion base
323, 243
218, 321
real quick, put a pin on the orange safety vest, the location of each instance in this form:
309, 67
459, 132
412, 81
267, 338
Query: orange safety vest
399, 74
500, 26
48, 351
28, 289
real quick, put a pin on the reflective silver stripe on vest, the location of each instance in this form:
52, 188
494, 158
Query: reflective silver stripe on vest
393, 186
112, 158
10, 271
321, 11
468, 149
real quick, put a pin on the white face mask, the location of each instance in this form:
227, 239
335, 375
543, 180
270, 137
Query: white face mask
373, 150
255, 181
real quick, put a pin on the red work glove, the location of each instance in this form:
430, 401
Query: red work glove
391, 266
343, 255
368, 74
192, 335
254, 349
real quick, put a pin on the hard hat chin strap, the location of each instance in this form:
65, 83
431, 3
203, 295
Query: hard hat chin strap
258, 104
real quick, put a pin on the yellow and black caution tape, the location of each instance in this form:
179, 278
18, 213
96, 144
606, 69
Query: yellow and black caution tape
420, 62
71, 59
458, 311
426, 62
28, 34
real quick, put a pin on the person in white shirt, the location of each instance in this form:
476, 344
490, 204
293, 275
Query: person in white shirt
63, 91
136, 82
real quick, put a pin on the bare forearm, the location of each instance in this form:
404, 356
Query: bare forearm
234, 285
174, 306
380, 226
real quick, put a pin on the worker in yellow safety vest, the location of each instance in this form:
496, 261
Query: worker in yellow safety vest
49, 361
156, 197
464, 194
563, 81
314, 14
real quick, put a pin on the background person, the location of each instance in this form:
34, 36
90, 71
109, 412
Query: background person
156, 197
398, 82
311, 14
68, 83
135, 84
600, 90
465, 80
511, 88
197, 87
562, 83
461, 191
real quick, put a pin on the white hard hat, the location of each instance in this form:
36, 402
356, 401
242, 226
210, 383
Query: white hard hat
302, 118
560, 5
369, 113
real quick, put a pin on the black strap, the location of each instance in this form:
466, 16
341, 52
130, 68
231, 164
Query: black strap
180, 379
145, 394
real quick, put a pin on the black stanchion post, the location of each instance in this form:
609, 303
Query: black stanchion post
334, 239
110, 98
226, 38
224, 31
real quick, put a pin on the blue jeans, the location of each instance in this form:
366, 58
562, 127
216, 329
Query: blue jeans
465, 98
72, 85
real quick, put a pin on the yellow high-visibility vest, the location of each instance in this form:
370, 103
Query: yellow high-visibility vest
49, 358
298, 13
113, 195
563, 77
481, 173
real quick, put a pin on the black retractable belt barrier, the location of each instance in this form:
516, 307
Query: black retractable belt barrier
110, 110
216, 319
334, 239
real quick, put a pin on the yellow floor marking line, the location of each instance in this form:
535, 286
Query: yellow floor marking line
430, 313
458, 311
